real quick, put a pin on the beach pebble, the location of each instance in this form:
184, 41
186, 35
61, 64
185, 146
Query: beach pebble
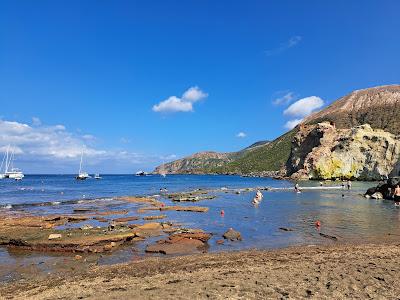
86, 227
54, 236
377, 195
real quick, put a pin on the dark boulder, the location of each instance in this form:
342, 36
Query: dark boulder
232, 235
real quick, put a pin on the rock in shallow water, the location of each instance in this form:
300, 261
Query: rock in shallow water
180, 243
232, 235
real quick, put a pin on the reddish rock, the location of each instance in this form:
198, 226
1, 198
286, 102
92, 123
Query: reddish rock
126, 219
154, 217
181, 246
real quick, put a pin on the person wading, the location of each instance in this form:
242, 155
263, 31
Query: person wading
396, 194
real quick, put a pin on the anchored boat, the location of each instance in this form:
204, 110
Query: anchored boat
9, 170
82, 175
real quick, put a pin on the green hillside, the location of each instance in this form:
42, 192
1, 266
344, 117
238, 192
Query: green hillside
269, 157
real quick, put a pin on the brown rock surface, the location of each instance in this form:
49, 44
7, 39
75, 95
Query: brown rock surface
232, 235
181, 243
377, 106
154, 217
185, 208
126, 219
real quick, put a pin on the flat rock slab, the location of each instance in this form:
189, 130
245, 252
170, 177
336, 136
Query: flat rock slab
181, 246
201, 236
126, 219
133, 199
185, 208
154, 217
112, 212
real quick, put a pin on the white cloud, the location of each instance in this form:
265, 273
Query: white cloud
241, 135
51, 141
292, 123
292, 42
36, 121
194, 94
304, 107
284, 99
183, 104
54, 149
173, 104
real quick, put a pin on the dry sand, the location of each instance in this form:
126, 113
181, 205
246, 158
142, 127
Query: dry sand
319, 272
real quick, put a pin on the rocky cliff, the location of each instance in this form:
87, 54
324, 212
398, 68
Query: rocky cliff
377, 106
322, 151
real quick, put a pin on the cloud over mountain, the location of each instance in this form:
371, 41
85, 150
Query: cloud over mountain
301, 109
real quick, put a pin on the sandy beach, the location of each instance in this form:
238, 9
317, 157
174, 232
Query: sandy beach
319, 272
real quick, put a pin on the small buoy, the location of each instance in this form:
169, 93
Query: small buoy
222, 212
162, 204
318, 223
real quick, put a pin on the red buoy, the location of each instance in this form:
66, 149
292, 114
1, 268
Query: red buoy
318, 223
222, 212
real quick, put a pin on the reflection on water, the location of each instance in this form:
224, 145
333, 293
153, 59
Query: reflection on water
342, 213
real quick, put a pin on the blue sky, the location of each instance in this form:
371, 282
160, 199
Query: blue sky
90, 74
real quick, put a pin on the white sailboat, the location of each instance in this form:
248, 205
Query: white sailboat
81, 174
10, 171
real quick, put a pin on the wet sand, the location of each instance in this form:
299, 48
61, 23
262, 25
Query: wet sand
320, 272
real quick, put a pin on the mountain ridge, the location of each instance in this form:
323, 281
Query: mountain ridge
377, 106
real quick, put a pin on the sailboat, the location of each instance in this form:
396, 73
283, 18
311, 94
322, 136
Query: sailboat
82, 175
4, 163
12, 173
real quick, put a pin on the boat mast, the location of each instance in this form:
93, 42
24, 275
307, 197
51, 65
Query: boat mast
80, 165
4, 161
10, 160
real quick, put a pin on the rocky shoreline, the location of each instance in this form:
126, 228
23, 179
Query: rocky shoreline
329, 272
384, 189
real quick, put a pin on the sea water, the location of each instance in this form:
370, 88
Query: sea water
343, 213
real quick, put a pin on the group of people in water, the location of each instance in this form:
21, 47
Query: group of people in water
257, 199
